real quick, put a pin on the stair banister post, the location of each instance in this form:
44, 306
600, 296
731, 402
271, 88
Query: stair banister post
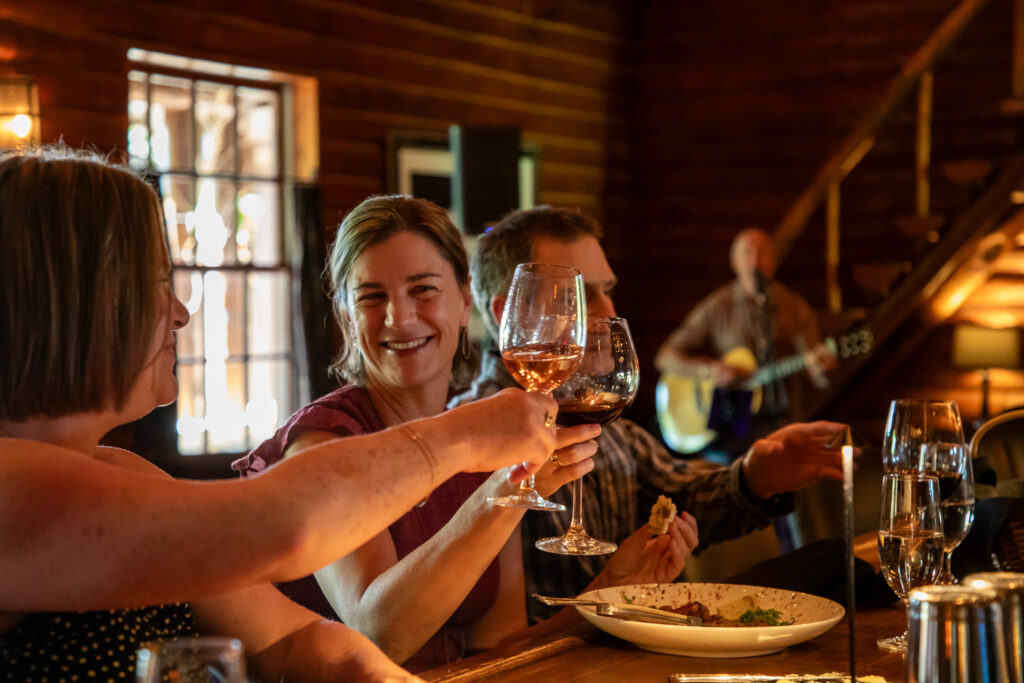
835, 297
924, 143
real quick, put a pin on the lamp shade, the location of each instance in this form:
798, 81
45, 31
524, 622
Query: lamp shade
976, 347
19, 112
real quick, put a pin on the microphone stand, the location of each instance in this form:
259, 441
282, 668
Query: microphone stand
775, 399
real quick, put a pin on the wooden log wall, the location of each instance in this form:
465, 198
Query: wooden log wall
739, 103
676, 123
554, 69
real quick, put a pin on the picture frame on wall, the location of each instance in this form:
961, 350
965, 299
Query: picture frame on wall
422, 165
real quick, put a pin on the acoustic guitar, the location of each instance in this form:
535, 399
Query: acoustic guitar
684, 403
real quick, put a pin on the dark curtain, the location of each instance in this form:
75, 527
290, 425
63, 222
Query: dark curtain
315, 327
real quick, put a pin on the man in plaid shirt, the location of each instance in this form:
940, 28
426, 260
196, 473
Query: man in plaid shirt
631, 468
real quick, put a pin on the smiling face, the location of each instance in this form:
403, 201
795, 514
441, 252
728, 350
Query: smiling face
405, 309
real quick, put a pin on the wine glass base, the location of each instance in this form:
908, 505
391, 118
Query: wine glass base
894, 644
528, 499
577, 544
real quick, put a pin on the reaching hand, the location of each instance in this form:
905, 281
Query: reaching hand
512, 426
642, 559
572, 460
793, 458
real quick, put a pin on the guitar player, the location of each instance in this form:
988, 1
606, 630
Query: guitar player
750, 323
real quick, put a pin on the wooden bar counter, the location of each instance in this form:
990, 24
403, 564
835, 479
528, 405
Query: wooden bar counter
583, 653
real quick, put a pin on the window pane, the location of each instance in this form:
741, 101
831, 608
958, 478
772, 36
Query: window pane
259, 232
223, 315
170, 123
225, 402
258, 114
215, 222
188, 286
269, 398
138, 119
269, 314
235, 358
191, 410
215, 128
178, 194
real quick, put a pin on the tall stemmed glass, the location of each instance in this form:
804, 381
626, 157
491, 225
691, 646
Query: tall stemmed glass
926, 436
543, 332
603, 387
910, 540
957, 515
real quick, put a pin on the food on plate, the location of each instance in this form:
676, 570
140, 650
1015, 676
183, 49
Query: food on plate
662, 514
743, 611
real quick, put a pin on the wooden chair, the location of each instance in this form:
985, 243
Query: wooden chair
1001, 442
1008, 545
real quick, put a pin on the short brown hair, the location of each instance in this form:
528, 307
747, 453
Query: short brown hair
375, 220
510, 243
78, 301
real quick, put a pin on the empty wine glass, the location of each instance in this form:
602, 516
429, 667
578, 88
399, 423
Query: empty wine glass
957, 516
927, 436
602, 388
191, 660
916, 425
910, 538
543, 332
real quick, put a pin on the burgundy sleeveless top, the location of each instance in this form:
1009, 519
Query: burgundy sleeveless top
348, 411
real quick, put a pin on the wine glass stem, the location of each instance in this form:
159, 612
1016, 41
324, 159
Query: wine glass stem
528, 483
577, 504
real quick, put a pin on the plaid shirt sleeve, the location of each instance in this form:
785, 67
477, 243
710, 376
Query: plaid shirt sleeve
716, 496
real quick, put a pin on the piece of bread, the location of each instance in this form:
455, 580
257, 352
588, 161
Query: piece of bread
662, 514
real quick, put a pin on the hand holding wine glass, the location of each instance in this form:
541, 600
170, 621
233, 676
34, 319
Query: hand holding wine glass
602, 388
910, 538
542, 336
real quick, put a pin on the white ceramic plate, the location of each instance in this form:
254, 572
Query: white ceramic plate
811, 616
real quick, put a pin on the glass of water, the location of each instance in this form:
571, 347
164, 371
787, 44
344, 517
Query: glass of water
910, 538
191, 660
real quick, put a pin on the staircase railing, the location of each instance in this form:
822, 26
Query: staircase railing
917, 72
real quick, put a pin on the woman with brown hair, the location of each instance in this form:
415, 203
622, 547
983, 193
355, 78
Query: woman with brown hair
446, 578
100, 549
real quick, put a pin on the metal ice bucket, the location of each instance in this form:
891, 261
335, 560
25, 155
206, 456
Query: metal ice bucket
955, 635
1010, 589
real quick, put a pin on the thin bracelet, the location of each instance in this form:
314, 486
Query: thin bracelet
428, 454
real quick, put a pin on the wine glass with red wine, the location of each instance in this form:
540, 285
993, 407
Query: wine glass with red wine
927, 437
543, 332
602, 388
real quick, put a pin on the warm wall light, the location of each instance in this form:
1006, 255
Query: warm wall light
983, 348
19, 112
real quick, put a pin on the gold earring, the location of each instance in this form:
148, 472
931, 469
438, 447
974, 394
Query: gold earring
464, 343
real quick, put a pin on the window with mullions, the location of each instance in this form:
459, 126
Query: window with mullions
217, 146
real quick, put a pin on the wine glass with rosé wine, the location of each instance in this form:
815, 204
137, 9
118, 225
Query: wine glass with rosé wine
603, 387
543, 333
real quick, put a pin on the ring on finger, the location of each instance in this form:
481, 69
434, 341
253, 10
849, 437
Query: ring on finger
549, 420
554, 459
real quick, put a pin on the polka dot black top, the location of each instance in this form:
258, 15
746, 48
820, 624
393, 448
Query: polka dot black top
87, 646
